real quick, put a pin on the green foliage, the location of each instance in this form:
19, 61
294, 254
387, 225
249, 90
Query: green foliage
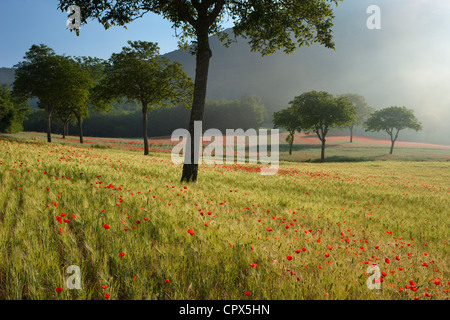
320, 111
124, 119
13, 110
363, 109
287, 119
268, 25
391, 118
139, 73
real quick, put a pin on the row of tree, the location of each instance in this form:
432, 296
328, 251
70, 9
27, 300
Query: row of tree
124, 120
71, 86
321, 111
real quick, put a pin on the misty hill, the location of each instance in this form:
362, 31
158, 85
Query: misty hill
385, 66
7, 75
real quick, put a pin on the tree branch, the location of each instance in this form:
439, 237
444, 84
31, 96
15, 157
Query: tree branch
183, 11
216, 11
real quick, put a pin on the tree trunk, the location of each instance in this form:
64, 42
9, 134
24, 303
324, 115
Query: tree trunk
66, 127
392, 146
322, 154
351, 133
49, 128
145, 128
203, 56
80, 128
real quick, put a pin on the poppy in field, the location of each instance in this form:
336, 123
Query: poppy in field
289, 258
387, 261
191, 231
247, 293
59, 289
121, 254
106, 226
107, 296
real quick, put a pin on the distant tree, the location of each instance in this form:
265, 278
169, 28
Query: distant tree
320, 111
65, 116
91, 70
392, 120
52, 78
363, 111
13, 110
139, 73
288, 119
269, 26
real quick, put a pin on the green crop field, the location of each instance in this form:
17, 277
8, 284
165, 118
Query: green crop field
312, 231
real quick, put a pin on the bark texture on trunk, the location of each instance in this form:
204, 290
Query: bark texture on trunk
190, 169
80, 128
322, 154
145, 127
49, 127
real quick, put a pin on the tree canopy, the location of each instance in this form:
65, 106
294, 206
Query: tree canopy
13, 110
393, 120
363, 111
56, 80
139, 73
321, 111
289, 120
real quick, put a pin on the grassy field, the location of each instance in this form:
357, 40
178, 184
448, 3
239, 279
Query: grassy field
312, 231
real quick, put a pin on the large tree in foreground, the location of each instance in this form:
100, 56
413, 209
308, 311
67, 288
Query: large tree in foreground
139, 73
268, 25
363, 111
320, 111
287, 119
392, 120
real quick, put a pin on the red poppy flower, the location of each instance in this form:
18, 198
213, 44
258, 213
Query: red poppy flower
289, 258
59, 289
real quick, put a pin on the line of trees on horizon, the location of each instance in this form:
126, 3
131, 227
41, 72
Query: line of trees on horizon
124, 120
319, 112
70, 87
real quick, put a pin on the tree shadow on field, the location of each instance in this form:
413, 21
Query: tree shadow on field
346, 159
298, 147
